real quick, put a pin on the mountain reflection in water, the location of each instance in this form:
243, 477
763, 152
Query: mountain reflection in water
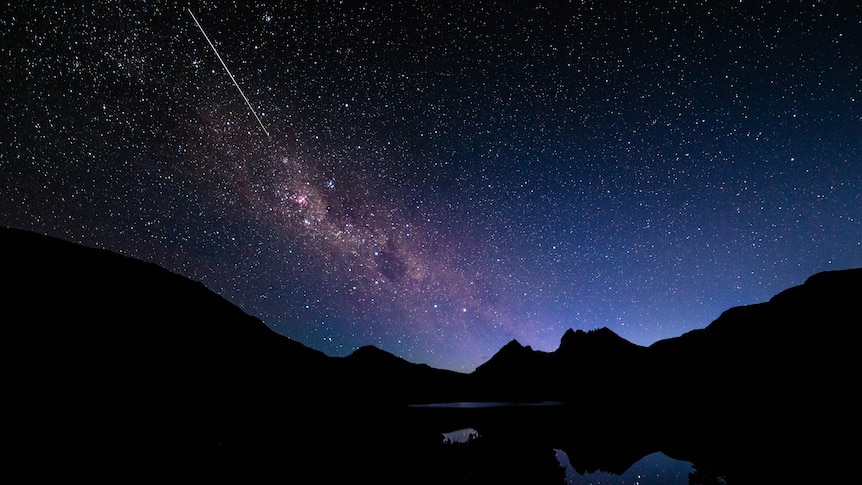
462, 435
655, 468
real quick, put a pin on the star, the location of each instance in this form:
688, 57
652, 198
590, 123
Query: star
437, 182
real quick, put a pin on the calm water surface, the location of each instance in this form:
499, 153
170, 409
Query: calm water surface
485, 404
654, 469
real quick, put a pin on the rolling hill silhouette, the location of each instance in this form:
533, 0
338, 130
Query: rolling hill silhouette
111, 356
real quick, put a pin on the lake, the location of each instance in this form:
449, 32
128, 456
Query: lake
526, 434
656, 468
653, 469
485, 404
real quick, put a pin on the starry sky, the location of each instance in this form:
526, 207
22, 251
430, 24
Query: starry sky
437, 179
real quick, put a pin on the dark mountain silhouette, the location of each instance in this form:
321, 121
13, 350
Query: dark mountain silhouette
111, 358
584, 362
764, 387
108, 352
372, 375
774, 376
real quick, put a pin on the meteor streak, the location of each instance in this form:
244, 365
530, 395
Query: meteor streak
228, 72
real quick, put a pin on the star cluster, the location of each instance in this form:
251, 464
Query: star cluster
437, 179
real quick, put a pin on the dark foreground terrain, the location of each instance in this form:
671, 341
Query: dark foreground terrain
116, 368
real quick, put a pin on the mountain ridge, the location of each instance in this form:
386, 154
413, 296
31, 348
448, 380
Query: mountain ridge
109, 352
569, 338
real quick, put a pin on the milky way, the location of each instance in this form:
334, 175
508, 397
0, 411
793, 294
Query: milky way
438, 180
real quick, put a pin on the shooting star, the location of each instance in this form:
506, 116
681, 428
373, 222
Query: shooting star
228, 73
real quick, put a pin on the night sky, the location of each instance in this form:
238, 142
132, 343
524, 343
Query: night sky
438, 179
